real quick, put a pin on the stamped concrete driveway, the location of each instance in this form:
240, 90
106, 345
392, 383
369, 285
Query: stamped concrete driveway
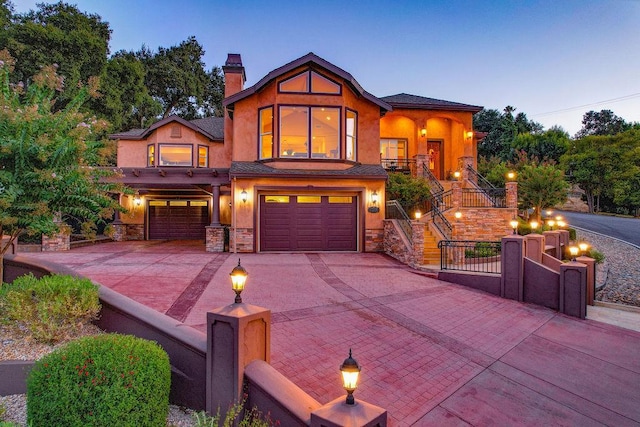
432, 353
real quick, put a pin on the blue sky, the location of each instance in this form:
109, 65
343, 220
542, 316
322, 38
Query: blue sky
553, 60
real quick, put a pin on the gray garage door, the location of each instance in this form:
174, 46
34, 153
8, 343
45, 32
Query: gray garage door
178, 219
308, 223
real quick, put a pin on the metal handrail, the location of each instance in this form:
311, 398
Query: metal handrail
395, 211
432, 181
484, 197
399, 165
479, 180
441, 223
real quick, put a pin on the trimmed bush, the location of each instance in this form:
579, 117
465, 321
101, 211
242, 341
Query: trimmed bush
49, 308
102, 380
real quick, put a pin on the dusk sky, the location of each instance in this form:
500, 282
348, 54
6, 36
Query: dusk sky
553, 60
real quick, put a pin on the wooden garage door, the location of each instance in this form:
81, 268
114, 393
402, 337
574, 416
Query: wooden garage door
178, 219
308, 223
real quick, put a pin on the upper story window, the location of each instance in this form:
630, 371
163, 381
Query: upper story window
265, 129
351, 129
151, 155
175, 155
203, 156
309, 132
310, 82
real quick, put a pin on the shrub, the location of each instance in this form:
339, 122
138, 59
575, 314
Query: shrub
102, 380
482, 250
49, 308
250, 418
596, 255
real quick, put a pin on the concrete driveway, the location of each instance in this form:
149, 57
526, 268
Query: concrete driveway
432, 353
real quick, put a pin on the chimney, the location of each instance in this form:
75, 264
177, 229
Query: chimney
234, 76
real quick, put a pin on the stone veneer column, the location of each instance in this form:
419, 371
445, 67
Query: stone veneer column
59, 242
463, 164
417, 231
236, 335
512, 194
214, 241
422, 163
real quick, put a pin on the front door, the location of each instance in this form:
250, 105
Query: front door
434, 150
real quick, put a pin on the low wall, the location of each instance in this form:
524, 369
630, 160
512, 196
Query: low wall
481, 281
185, 346
541, 285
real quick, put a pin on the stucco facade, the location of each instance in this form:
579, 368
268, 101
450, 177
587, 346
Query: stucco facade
299, 161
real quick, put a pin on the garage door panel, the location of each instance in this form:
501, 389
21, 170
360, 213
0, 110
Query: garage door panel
178, 219
308, 224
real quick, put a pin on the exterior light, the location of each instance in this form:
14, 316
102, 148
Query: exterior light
244, 196
423, 132
374, 197
418, 214
350, 371
534, 224
549, 212
558, 218
238, 279
514, 225
137, 201
468, 134
573, 250
456, 175
583, 246
561, 223
511, 176
458, 214
551, 223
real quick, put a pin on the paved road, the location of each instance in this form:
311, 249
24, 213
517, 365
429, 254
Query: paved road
627, 229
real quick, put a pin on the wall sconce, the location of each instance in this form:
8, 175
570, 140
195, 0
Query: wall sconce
573, 250
374, 203
468, 134
458, 214
244, 196
583, 246
350, 371
418, 214
511, 176
423, 132
514, 225
238, 279
534, 225
137, 201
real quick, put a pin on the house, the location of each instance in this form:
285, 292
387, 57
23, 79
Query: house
298, 163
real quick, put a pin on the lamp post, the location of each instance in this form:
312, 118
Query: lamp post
418, 215
551, 224
350, 371
238, 279
583, 248
534, 225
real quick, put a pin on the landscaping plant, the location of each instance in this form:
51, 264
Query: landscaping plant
49, 308
102, 380
235, 416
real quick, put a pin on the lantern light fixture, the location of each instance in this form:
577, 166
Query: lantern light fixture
456, 175
514, 225
534, 225
573, 250
137, 201
418, 214
551, 223
350, 371
423, 132
511, 175
583, 246
458, 214
238, 280
374, 197
244, 196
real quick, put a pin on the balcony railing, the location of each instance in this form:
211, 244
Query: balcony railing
406, 166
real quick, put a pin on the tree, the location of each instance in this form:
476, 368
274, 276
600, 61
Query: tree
45, 159
501, 129
58, 34
540, 186
547, 145
176, 77
603, 122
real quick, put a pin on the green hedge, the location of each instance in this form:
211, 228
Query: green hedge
51, 307
103, 380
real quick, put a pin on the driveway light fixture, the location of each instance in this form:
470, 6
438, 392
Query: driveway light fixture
583, 248
514, 225
350, 371
551, 223
534, 224
238, 279
573, 250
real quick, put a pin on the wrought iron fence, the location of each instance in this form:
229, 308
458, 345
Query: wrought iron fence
470, 255
477, 179
441, 222
406, 166
432, 181
483, 198
394, 211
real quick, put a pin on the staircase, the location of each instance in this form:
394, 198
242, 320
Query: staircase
431, 254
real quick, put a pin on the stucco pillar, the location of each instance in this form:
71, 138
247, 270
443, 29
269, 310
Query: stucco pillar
236, 335
591, 277
215, 208
512, 262
563, 235
512, 194
534, 247
573, 289
552, 238
338, 414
